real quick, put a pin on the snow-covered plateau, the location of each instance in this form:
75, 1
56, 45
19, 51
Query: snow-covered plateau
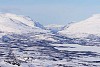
26, 43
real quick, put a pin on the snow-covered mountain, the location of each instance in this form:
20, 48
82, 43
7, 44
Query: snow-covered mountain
41, 49
83, 28
18, 24
54, 27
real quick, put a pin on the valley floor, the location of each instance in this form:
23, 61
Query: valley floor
29, 51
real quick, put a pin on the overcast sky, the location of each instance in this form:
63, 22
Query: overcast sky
52, 11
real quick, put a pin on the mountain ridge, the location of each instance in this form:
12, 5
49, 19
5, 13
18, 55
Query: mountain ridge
88, 26
18, 24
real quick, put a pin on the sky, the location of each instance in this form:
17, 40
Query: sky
52, 11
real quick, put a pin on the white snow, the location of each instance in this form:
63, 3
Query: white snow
26, 20
54, 27
88, 26
81, 57
18, 24
44, 37
77, 47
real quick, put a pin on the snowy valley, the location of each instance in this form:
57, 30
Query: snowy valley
26, 43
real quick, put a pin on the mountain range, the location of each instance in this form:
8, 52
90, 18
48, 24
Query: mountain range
23, 24
26, 43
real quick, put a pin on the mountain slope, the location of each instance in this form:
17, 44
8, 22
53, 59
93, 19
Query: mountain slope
37, 24
18, 24
88, 26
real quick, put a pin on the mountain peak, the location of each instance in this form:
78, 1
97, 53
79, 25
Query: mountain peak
17, 23
24, 19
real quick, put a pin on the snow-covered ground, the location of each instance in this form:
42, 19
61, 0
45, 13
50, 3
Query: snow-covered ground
34, 52
39, 46
76, 47
82, 56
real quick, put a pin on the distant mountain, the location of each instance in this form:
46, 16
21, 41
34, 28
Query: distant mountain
18, 24
54, 27
83, 28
